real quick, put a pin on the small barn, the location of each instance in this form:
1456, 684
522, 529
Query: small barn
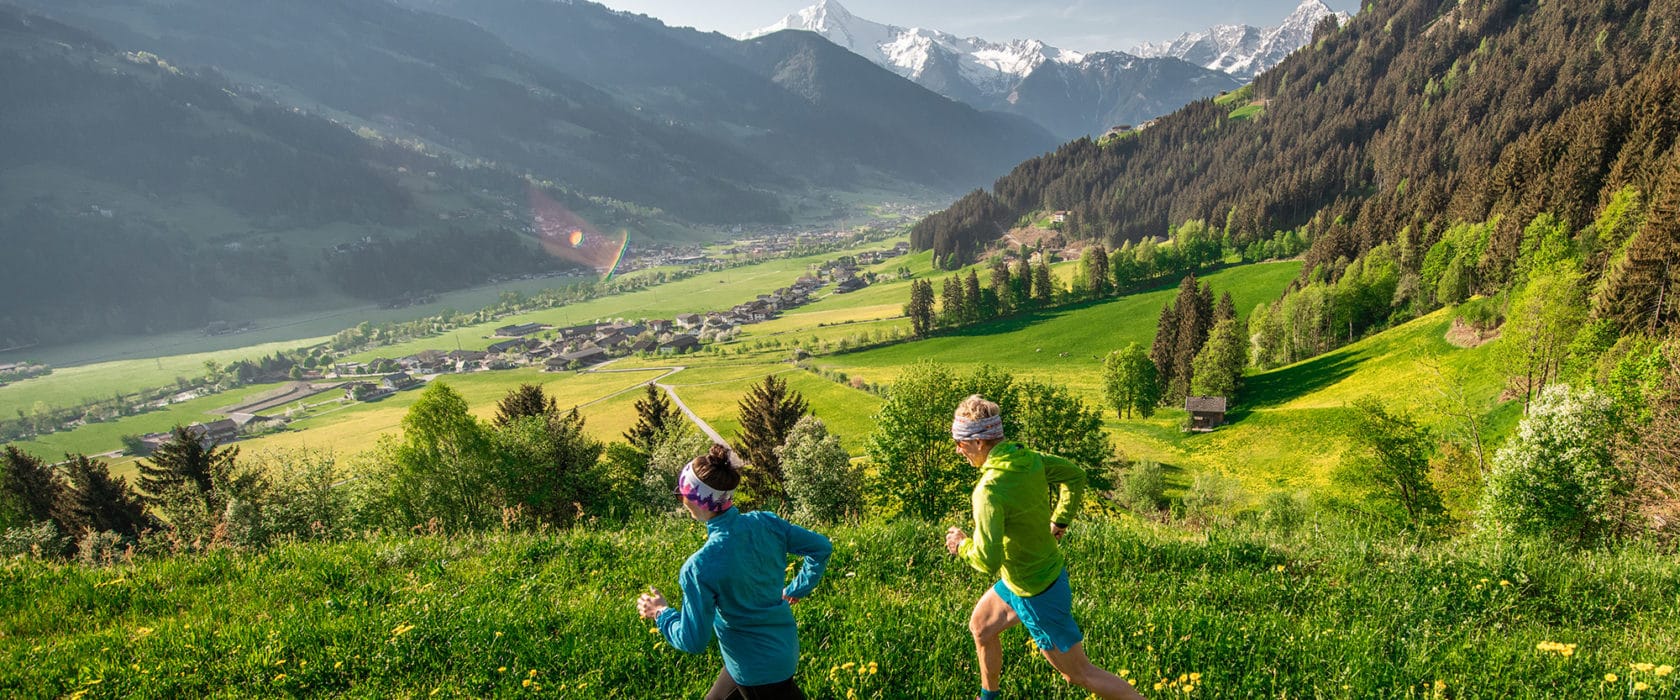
1206, 412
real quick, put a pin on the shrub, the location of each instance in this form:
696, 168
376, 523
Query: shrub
1283, 511
672, 449
1142, 488
100, 548
39, 540
821, 481
1212, 497
1555, 478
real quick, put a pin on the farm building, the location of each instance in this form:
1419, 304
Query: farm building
1206, 412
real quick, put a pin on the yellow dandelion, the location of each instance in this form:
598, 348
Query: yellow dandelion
401, 630
1640, 687
1189, 689
1664, 670
1124, 672
1280, 568
583, 685
1504, 583
526, 683
501, 669
1609, 678
1197, 677
279, 677
142, 631
849, 665
1159, 685
1440, 686
498, 634
533, 673
536, 686
339, 664
1182, 677
1644, 667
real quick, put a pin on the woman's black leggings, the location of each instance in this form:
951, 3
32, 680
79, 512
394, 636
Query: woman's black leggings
727, 689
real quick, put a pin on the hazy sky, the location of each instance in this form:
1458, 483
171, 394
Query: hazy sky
1083, 25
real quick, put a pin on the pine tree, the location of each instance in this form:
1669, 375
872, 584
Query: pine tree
767, 414
951, 311
1002, 288
1195, 318
1218, 368
95, 501
653, 413
527, 400
1021, 282
29, 488
973, 303
1165, 347
1641, 287
1043, 289
920, 308
1096, 271
186, 461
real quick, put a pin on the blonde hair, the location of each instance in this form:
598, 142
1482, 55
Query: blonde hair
977, 407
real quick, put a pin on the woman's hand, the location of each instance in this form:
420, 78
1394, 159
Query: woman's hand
954, 538
651, 604
1057, 530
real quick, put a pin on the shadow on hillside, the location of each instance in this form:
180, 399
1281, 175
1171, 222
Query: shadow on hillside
1023, 320
1281, 386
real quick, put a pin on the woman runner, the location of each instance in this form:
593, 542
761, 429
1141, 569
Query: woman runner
734, 586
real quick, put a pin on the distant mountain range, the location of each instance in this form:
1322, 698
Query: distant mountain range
1070, 93
1242, 50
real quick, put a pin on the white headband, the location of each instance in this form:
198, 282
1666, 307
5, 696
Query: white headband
981, 429
695, 490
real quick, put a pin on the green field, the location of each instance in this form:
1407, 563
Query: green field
1337, 615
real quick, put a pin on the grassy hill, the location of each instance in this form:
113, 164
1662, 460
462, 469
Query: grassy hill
1250, 613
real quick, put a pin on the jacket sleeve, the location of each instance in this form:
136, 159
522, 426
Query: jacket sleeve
1068, 480
815, 548
984, 549
689, 628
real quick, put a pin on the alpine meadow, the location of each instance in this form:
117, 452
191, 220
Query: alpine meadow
508, 348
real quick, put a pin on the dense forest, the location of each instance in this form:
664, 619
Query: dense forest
1418, 115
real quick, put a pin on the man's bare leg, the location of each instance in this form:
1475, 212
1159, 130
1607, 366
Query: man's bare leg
991, 617
1078, 670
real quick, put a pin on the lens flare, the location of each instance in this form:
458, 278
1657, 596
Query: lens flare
567, 236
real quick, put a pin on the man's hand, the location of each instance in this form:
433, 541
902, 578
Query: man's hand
954, 538
1057, 530
651, 604
790, 599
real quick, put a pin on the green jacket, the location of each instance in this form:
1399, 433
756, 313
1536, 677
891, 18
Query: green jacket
1012, 516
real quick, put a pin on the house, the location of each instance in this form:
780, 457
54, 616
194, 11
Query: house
509, 346
215, 432
660, 325
397, 381
644, 345
1059, 217
1206, 412
520, 330
630, 329
583, 358
679, 345
347, 368
611, 339
689, 320
467, 360
850, 284
362, 391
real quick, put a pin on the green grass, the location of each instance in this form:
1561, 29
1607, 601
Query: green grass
1247, 112
1328, 615
96, 438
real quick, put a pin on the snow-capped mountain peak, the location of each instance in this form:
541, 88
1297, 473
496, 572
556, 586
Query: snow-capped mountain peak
992, 67
1242, 50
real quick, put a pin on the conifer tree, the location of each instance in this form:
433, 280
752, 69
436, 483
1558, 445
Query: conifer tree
95, 501
951, 312
187, 462
1002, 288
653, 413
1194, 307
527, 400
1165, 347
972, 300
1641, 287
767, 414
1042, 283
1218, 368
29, 489
1021, 282
1095, 261
920, 308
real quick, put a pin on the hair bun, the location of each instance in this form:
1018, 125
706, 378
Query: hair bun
719, 457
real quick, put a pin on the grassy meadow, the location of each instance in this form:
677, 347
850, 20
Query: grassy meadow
1230, 612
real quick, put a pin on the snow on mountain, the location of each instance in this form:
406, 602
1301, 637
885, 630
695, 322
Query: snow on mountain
993, 69
1070, 93
1242, 50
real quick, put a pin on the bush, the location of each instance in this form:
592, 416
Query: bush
101, 549
674, 448
304, 504
1212, 497
1283, 511
39, 540
821, 481
1555, 478
1142, 488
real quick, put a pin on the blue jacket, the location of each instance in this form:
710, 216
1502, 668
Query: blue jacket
733, 586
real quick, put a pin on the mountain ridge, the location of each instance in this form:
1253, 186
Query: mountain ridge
1243, 50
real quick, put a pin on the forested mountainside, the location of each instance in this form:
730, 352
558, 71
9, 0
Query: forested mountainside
1418, 115
107, 154
813, 114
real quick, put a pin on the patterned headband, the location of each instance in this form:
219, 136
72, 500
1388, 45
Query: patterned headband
698, 493
981, 429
